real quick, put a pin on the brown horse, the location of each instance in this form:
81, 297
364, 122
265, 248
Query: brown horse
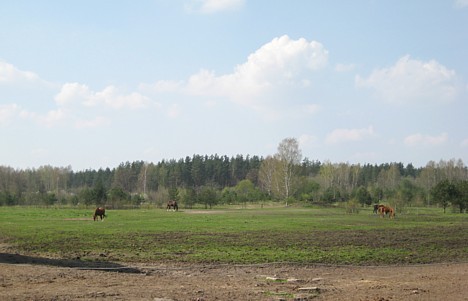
101, 212
172, 204
384, 210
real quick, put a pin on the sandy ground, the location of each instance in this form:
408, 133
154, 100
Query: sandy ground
30, 278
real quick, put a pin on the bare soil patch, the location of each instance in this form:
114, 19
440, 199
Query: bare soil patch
33, 278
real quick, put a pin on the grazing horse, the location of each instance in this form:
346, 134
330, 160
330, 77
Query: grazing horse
101, 212
383, 210
172, 204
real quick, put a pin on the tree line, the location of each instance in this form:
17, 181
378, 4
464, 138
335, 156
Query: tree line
211, 180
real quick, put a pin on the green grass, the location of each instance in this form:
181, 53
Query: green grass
299, 235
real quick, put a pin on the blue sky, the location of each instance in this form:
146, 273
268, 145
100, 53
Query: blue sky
92, 84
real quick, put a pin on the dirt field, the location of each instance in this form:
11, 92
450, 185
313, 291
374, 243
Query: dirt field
32, 278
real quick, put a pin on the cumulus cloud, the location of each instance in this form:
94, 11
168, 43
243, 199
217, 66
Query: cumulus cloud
280, 64
346, 135
72, 93
110, 96
426, 140
412, 81
213, 6
271, 80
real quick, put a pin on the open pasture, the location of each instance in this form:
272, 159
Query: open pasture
237, 236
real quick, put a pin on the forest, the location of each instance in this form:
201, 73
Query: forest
202, 180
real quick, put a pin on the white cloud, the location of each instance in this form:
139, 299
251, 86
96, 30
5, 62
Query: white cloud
204, 83
345, 135
426, 140
72, 93
9, 73
213, 6
461, 3
109, 96
278, 66
272, 80
285, 55
412, 81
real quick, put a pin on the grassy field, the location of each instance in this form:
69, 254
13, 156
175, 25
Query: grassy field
298, 235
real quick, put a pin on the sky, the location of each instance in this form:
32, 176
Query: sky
92, 84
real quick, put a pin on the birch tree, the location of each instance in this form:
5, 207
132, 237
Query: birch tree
289, 155
266, 175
